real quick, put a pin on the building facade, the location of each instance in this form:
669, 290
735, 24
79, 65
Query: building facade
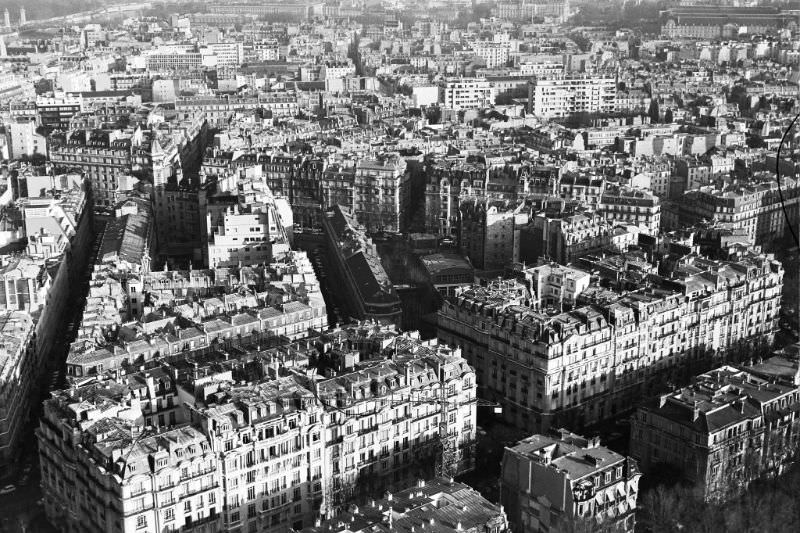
554, 481
561, 96
728, 428
595, 361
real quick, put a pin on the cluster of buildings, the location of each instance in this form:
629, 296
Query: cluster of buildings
250, 202
550, 366
264, 438
47, 234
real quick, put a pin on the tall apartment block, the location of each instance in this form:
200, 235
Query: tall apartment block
597, 360
553, 481
561, 96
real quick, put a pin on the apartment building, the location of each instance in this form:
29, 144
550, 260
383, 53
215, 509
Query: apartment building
111, 473
755, 207
700, 172
57, 111
729, 427
491, 53
561, 96
268, 454
246, 235
636, 207
23, 140
407, 419
18, 376
489, 232
466, 93
227, 54
452, 181
597, 360
103, 156
217, 109
337, 185
282, 300
436, 503
270, 440
381, 190
555, 285
178, 60
563, 238
528, 9
560, 480
294, 10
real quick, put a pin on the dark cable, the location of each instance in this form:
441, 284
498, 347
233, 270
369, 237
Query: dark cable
778, 177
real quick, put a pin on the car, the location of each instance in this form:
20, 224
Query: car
8, 489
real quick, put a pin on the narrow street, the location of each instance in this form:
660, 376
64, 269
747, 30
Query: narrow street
20, 509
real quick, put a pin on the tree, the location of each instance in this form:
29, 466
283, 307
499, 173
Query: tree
653, 112
433, 114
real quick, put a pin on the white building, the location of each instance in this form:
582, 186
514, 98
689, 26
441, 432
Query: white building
228, 54
24, 141
246, 236
554, 284
425, 95
559, 96
466, 93
493, 54
333, 71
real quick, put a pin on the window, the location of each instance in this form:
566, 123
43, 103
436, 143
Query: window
141, 521
169, 515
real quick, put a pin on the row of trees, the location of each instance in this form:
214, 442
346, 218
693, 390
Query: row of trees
768, 505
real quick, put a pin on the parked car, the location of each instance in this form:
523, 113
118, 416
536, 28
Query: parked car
8, 489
